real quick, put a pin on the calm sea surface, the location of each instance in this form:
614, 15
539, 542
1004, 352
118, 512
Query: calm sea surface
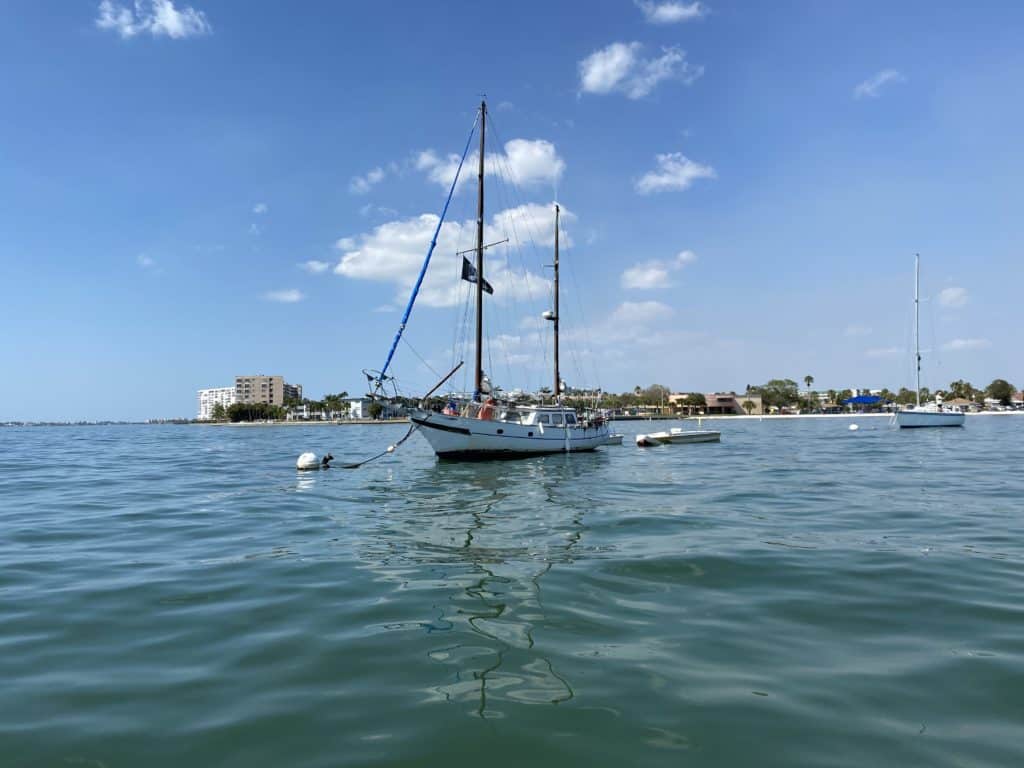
799, 595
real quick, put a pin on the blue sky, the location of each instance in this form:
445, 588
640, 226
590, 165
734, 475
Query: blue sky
746, 184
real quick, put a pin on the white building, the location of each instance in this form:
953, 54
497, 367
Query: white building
359, 408
208, 398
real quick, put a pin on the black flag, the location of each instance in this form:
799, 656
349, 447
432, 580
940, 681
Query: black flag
469, 275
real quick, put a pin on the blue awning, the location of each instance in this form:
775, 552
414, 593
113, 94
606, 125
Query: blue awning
863, 400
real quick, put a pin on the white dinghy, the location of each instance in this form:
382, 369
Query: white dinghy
677, 436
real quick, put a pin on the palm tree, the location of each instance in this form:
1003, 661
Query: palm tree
748, 406
808, 380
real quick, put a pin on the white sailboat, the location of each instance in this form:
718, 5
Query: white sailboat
485, 427
932, 414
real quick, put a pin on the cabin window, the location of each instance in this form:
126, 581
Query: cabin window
543, 419
570, 418
556, 419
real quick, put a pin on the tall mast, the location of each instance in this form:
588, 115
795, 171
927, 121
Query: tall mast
479, 379
917, 325
558, 378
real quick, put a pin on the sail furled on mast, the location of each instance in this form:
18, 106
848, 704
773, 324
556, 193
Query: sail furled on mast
379, 380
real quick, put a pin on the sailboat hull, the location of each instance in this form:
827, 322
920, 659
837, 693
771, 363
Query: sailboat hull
468, 439
919, 419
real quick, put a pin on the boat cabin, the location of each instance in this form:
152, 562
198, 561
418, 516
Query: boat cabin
549, 417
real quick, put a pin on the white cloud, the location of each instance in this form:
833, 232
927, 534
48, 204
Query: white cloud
674, 171
254, 230
641, 323
286, 296
145, 261
157, 17
314, 267
670, 12
620, 67
962, 345
377, 211
953, 296
871, 87
260, 208
524, 161
535, 223
655, 273
854, 330
651, 274
393, 253
360, 185
345, 243
884, 352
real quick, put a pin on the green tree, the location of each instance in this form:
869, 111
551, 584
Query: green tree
808, 381
777, 392
254, 412
219, 412
656, 394
376, 409
1001, 390
905, 396
749, 406
335, 402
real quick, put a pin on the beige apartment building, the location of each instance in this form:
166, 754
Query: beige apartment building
265, 389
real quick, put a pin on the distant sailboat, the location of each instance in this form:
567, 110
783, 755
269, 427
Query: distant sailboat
932, 414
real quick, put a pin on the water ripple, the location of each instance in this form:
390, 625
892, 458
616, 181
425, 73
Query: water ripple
796, 595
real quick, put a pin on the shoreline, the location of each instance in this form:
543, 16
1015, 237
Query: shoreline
295, 423
715, 417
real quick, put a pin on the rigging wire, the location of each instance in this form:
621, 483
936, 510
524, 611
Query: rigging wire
579, 299
421, 359
533, 240
426, 261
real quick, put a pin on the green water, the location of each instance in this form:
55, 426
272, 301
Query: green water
797, 595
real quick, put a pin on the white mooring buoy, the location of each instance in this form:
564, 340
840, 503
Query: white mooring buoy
853, 427
308, 460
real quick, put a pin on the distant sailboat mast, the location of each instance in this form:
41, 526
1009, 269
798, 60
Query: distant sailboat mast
917, 325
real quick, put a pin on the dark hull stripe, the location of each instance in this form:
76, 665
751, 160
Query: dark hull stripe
442, 427
500, 455
560, 439
928, 426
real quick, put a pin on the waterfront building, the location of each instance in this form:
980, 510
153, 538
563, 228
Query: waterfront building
359, 408
265, 389
730, 402
208, 398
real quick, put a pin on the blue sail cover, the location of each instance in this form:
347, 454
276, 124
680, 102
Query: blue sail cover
426, 261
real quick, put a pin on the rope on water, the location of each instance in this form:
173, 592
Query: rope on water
412, 428
390, 449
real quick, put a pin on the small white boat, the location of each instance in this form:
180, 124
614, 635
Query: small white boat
675, 436
613, 439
